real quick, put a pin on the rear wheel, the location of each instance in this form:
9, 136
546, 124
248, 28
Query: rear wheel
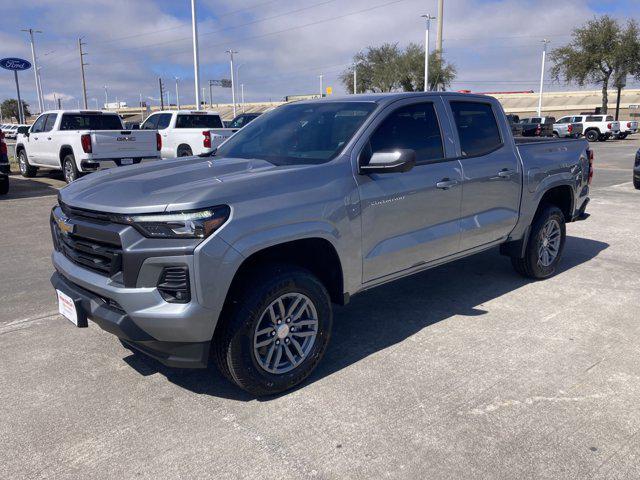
26, 170
592, 135
184, 151
636, 183
545, 245
277, 331
555, 135
622, 136
69, 169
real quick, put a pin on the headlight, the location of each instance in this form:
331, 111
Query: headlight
187, 224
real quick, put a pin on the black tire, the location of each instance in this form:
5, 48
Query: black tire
4, 184
26, 170
636, 183
233, 342
622, 136
184, 151
592, 135
555, 135
530, 265
69, 169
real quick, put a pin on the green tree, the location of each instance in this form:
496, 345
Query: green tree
9, 108
388, 68
600, 52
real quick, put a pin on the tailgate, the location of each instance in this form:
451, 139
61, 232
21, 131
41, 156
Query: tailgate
124, 143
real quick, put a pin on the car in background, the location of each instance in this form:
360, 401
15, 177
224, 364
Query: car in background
595, 127
566, 129
537, 126
186, 133
627, 128
131, 125
636, 171
514, 123
10, 131
241, 120
4, 166
82, 141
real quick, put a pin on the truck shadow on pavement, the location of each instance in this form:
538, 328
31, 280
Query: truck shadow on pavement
40, 186
387, 315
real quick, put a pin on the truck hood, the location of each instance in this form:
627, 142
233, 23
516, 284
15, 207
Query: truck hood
169, 185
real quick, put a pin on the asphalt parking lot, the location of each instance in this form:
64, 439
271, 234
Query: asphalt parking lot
465, 371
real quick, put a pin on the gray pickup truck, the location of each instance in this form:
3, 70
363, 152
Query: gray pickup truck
239, 257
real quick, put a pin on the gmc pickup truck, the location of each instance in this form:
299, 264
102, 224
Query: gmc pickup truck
186, 133
79, 141
240, 256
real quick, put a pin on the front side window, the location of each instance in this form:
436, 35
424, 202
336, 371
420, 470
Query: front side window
150, 123
90, 121
38, 125
413, 127
164, 119
610, 118
50, 122
299, 133
477, 128
198, 121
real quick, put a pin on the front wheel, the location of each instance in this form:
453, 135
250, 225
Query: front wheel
592, 135
277, 331
545, 245
26, 170
69, 169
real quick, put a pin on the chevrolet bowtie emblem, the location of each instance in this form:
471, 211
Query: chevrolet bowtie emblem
64, 225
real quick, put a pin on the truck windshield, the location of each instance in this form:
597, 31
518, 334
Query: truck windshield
90, 121
299, 133
198, 121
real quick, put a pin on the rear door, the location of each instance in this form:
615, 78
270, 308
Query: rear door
410, 218
491, 171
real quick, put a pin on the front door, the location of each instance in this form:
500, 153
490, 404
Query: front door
36, 141
410, 218
492, 174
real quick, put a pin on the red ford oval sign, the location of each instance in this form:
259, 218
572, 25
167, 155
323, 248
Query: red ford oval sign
15, 64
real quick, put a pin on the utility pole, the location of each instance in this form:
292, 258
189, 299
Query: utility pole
439, 30
355, 78
31, 31
196, 63
544, 55
82, 65
233, 85
106, 97
426, 51
210, 94
321, 86
177, 94
161, 94
242, 96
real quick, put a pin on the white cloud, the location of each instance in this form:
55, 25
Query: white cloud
53, 96
495, 44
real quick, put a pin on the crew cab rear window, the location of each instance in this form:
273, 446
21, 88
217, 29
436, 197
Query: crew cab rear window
593, 118
413, 127
198, 121
90, 121
477, 128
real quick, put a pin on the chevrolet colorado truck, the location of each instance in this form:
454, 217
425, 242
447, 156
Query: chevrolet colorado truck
239, 257
595, 127
188, 132
80, 141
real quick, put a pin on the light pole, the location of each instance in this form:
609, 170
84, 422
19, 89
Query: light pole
177, 94
321, 86
242, 96
31, 31
196, 65
428, 18
106, 97
238, 75
544, 55
233, 85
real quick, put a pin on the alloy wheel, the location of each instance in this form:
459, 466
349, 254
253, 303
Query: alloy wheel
549, 247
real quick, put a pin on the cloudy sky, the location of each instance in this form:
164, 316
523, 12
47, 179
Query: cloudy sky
283, 45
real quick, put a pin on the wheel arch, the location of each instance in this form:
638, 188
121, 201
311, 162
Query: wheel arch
183, 145
64, 151
562, 196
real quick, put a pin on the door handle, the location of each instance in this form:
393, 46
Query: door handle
446, 184
505, 173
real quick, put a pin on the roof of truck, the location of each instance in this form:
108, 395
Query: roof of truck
85, 111
390, 97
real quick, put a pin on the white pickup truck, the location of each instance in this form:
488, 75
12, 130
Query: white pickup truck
627, 127
78, 141
595, 127
188, 132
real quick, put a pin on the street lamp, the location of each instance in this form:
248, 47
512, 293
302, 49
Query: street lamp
233, 85
544, 54
426, 51
177, 94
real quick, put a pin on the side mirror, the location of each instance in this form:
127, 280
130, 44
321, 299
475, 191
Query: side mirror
390, 161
